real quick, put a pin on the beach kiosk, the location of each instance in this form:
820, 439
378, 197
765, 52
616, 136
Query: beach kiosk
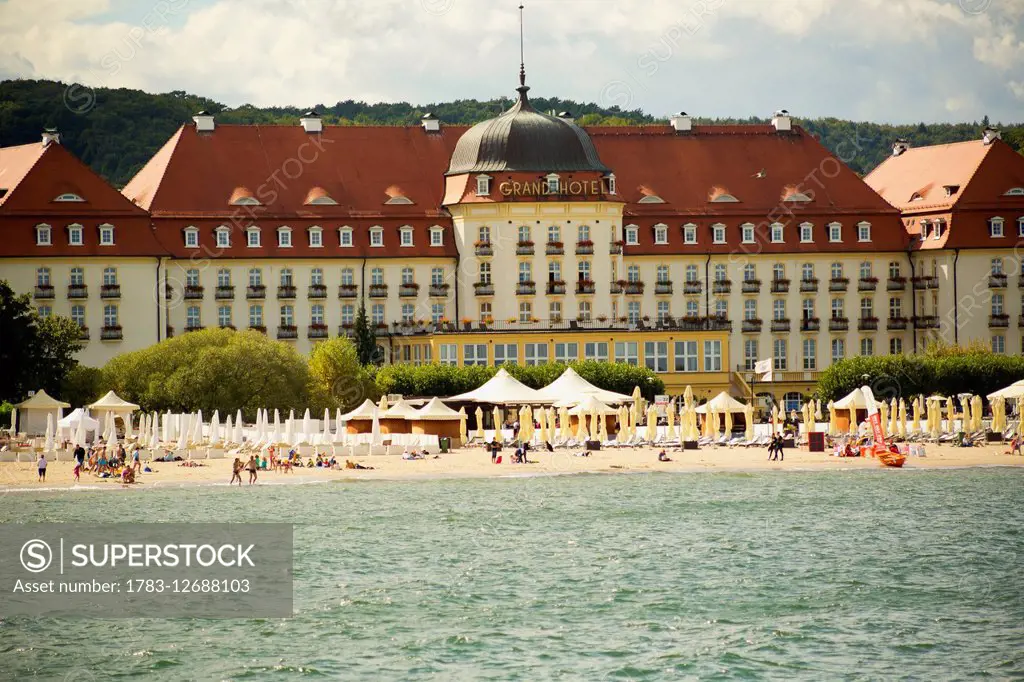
853, 407
360, 420
32, 413
396, 418
437, 419
111, 402
587, 408
726, 409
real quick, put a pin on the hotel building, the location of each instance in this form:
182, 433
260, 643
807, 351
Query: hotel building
693, 250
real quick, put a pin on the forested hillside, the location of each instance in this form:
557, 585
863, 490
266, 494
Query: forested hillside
117, 130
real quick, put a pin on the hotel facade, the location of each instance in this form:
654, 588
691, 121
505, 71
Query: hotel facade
693, 250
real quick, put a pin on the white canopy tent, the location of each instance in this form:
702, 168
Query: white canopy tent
78, 419
33, 413
436, 410
365, 411
723, 402
854, 399
503, 389
590, 405
1011, 392
112, 403
400, 410
571, 387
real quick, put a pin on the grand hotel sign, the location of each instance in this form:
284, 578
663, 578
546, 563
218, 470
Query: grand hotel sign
540, 188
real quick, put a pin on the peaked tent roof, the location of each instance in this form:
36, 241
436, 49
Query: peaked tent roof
591, 403
435, 410
41, 401
503, 389
721, 403
400, 410
111, 401
76, 416
365, 411
855, 399
570, 386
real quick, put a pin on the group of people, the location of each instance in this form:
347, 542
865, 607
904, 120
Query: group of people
775, 453
118, 464
519, 455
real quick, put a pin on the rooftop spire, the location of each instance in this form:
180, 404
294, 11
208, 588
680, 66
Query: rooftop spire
522, 61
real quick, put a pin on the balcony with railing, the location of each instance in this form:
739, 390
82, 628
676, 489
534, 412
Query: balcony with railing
615, 248
585, 286
839, 324
634, 288
810, 324
286, 291
408, 290
258, 328
721, 286
111, 333
896, 324
317, 331
526, 288
556, 287
997, 320
83, 333
439, 290
348, 290
483, 249
867, 284
867, 324
926, 322
663, 288
317, 291
751, 286
997, 281
780, 286
256, 291
554, 249
617, 287
193, 292
224, 292
896, 284
44, 291
483, 288
110, 291
839, 284
781, 325
719, 323
346, 329
693, 287
809, 284
524, 248
378, 291
287, 332
584, 247
752, 326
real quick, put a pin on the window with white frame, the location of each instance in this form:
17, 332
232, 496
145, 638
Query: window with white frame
316, 237
448, 354
348, 314
524, 234
806, 233
554, 234
777, 234
895, 307
596, 350
656, 356
525, 311
192, 277
864, 231
583, 270
377, 313
555, 311
193, 318
838, 309
75, 235
483, 185
810, 354
895, 346
747, 233
437, 236
407, 276
252, 236
750, 354
750, 309
835, 232
633, 312
612, 187
690, 273
779, 309
224, 315
191, 238
689, 233
633, 273
626, 352
692, 309
222, 235
525, 272
718, 233
408, 312
838, 349
555, 271
686, 356
722, 308
486, 314
256, 315
895, 271
345, 236
436, 312
284, 237
836, 270
661, 274
474, 354
1020, 226
940, 228
924, 230
661, 233
348, 277
867, 308
995, 228
996, 266
77, 277
780, 355
552, 183
485, 272
584, 314
567, 352
110, 277
778, 272
997, 304
506, 352
287, 278
78, 314
998, 343
405, 236
436, 277
44, 311
632, 233
807, 306
712, 356
867, 347
110, 318
807, 271
663, 311
42, 277
749, 273
484, 235
720, 272
44, 235
316, 277
865, 270
377, 236
535, 354
106, 235
377, 276
583, 233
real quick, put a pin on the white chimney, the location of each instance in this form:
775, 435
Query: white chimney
566, 116
431, 123
311, 122
681, 122
204, 122
990, 136
900, 146
782, 121
51, 135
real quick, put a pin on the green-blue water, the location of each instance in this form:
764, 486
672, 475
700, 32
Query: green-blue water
806, 576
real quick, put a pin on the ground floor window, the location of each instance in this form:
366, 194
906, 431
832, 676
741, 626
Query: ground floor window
656, 355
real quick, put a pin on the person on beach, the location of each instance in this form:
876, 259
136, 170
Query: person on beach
80, 456
236, 471
663, 457
253, 466
136, 460
41, 465
78, 472
495, 449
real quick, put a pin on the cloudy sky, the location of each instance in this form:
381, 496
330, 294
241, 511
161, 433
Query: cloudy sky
881, 60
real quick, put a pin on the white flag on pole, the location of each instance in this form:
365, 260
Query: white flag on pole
762, 366
767, 376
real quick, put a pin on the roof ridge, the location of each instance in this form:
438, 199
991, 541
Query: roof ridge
173, 143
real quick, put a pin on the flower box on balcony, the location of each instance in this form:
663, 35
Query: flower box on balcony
780, 286
780, 325
286, 291
810, 324
838, 284
224, 292
752, 326
692, 288
256, 291
317, 331
378, 291
634, 288
618, 286
317, 291
615, 248
585, 286
44, 291
896, 323
409, 289
663, 288
111, 333
258, 328
999, 320
483, 288
721, 286
584, 247
439, 290
524, 248
348, 290
867, 284
751, 286
287, 331
896, 284
867, 324
193, 292
483, 249
526, 288
110, 291
809, 284
83, 333
554, 249
556, 287
838, 324
997, 281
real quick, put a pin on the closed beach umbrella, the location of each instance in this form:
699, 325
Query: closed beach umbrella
542, 421
463, 433
229, 430
833, 427
307, 428
48, 445
883, 415
289, 428
14, 420
748, 416
978, 413
479, 414
894, 414
728, 422
275, 433
638, 400
182, 430
215, 428
965, 407
817, 412
1020, 417
937, 423
238, 436
915, 424
165, 436
127, 426
652, 424
497, 418
383, 405
854, 424
581, 428
375, 435
670, 420
901, 425
325, 435
564, 430
602, 428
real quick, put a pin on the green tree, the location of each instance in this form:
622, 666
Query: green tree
213, 369
366, 341
82, 385
59, 342
336, 377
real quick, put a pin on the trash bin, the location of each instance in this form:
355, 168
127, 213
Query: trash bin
445, 443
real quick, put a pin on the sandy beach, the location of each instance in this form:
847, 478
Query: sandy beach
476, 463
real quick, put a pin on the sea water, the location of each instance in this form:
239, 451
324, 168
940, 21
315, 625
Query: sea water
795, 575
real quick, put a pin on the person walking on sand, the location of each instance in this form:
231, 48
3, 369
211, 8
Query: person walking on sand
236, 471
252, 466
771, 448
41, 465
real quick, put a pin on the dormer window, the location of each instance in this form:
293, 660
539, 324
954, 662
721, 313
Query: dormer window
1020, 226
995, 228
806, 233
75, 232
689, 233
69, 196
437, 236
1014, 192
864, 231
191, 238
777, 235
552, 183
318, 196
345, 236
252, 237
835, 232
718, 233
316, 237
747, 233
723, 198
798, 197
940, 227
483, 185
916, 196
284, 237
924, 229
951, 189
44, 235
405, 236
395, 196
611, 184
651, 199
246, 201
223, 236
632, 233
377, 236
661, 234
106, 235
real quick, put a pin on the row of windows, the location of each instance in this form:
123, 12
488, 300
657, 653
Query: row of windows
110, 314
524, 234
314, 236
776, 233
75, 234
996, 228
656, 354
809, 355
286, 277
376, 314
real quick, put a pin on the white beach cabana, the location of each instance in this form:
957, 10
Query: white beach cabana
570, 386
115, 405
33, 412
850, 404
78, 422
396, 418
360, 420
503, 389
437, 419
